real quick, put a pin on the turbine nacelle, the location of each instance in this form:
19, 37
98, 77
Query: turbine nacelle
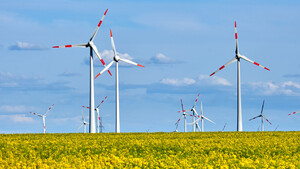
117, 58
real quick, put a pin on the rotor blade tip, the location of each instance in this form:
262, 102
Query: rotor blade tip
55, 47
110, 33
140, 65
212, 74
97, 76
105, 12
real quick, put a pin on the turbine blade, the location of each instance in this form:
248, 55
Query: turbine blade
294, 113
97, 53
222, 67
193, 122
102, 102
196, 113
100, 121
267, 120
79, 127
70, 46
178, 120
181, 105
113, 43
196, 101
36, 114
257, 64
85, 107
255, 117
99, 24
183, 111
236, 40
208, 119
49, 109
82, 117
262, 107
131, 62
105, 69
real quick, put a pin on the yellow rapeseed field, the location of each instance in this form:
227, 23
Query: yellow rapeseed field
152, 150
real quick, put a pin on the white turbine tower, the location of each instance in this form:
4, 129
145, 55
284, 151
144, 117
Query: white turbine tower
237, 58
84, 123
182, 116
98, 117
294, 113
116, 59
262, 117
44, 117
194, 123
201, 117
92, 47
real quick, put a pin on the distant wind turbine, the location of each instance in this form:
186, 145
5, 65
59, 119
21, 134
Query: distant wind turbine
98, 116
84, 123
237, 58
44, 117
182, 116
92, 47
116, 60
262, 117
201, 117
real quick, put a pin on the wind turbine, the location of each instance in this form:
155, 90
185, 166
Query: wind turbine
201, 117
237, 58
262, 117
44, 117
116, 59
294, 113
84, 123
92, 47
98, 117
182, 116
224, 127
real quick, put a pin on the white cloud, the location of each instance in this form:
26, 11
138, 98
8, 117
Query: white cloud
288, 88
21, 118
14, 109
161, 59
107, 56
214, 80
291, 84
26, 46
178, 82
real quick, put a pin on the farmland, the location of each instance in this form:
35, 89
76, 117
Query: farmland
151, 150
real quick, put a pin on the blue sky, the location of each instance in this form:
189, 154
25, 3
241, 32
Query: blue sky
180, 43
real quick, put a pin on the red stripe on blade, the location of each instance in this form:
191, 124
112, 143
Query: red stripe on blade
99, 23
102, 61
55, 47
221, 67
68, 46
109, 72
266, 68
234, 23
212, 74
256, 63
105, 12
235, 35
110, 33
